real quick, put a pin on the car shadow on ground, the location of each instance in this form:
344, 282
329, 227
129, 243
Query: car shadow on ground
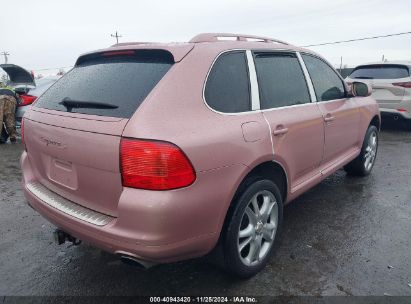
389, 124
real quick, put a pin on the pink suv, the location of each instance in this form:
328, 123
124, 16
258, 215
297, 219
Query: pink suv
164, 152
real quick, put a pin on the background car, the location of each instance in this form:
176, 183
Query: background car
31, 94
391, 87
29, 90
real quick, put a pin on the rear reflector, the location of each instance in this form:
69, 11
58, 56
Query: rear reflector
154, 165
26, 100
403, 84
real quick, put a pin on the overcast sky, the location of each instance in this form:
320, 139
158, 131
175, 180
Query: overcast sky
48, 33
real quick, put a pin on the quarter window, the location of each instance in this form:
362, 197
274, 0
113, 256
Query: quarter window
327, 84
228, 87
281, 80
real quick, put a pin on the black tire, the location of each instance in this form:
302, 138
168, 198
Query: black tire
232, 262
358, 167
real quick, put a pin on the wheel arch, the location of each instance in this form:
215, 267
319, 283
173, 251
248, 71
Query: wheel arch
376, 121
271, 170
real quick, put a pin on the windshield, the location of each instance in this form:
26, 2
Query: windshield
123, 82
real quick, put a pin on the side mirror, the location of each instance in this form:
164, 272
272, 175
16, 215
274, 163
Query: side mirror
360, 89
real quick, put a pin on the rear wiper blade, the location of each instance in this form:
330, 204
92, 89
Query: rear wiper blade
71, 103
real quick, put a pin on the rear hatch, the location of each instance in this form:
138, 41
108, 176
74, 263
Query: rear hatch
73, 131
382, 78
18, 75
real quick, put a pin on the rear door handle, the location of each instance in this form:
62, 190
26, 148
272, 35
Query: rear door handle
329, 118
280, 131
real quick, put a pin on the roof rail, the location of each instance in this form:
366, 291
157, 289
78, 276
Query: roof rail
214, 37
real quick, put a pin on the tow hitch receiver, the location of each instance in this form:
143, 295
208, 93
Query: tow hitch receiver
60, 237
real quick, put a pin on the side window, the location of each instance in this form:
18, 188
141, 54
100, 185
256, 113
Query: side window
281, 80
327, 84
228, 87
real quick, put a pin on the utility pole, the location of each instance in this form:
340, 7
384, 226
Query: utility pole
5, 54
116, 36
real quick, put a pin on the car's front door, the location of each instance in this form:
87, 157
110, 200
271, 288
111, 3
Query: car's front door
295, 122
340, 114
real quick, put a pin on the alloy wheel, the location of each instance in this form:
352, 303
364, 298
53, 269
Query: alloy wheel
370, 151
257, 228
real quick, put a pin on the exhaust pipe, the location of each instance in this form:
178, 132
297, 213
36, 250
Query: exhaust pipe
131, 260
60, 237
396, 117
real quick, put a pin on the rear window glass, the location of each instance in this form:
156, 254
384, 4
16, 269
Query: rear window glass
107, 86
228, 88
380, 72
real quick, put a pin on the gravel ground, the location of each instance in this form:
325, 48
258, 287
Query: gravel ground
346, 236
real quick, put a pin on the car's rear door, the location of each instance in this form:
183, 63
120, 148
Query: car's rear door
296, 124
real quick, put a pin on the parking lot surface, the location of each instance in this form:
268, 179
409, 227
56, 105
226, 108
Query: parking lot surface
346, 236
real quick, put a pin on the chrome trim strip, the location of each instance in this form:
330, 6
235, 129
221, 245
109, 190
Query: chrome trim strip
305, 71
255, 95
307, 78
287, 107
64, 205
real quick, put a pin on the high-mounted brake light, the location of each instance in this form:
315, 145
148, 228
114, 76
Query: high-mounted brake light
403, 84
154, 165
118, 53
26, 100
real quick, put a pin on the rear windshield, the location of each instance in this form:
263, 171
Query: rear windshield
108, 85
379, 71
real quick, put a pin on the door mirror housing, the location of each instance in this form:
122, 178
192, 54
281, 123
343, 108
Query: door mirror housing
360, 89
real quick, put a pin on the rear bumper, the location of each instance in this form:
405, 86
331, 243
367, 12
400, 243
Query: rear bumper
157, 226
106, 239
394, 113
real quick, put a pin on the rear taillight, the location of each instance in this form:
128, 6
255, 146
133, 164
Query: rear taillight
402, 110
26, 100
403, 84
154, 165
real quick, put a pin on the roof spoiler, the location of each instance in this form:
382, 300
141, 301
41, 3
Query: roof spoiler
215, 37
